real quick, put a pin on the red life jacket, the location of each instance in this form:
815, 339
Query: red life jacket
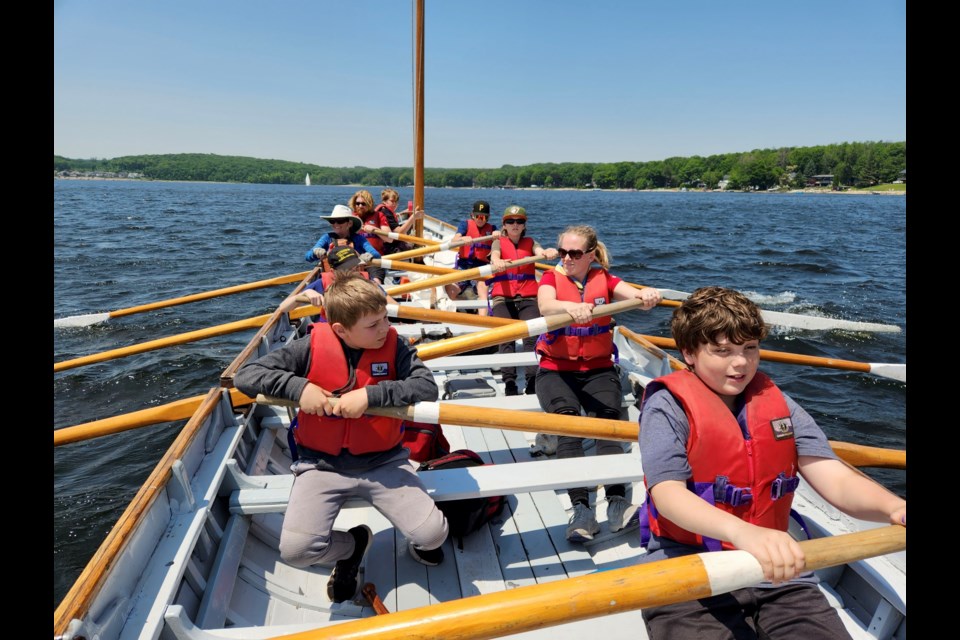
752, 479
388, 215
520, 280
477, 251
587, 341
329, 369
378, 220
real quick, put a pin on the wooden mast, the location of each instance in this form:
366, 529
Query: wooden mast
418, 115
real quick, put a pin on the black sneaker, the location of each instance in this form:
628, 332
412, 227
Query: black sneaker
429, 557
510, 388
343, 579
531, 389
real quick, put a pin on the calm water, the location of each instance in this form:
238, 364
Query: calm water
121, 244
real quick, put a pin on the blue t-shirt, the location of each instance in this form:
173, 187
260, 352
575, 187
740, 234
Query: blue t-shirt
358, 242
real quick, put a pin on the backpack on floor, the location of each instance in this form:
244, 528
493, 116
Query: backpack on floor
467, 515
425, 440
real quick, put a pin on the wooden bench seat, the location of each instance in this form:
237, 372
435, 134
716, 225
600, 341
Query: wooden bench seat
270, 494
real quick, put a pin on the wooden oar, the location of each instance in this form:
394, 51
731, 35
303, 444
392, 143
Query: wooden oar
509, 419
443, 246
672, 298
410, 312
520, 329
579, 426
860, 455
170, 412
402, 236
477, 273
182, 338
400, 265
602, 593
892, 371
93, 318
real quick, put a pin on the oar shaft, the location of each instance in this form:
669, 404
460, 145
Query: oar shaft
601, 593
406, 238
423, 251
400, 265
170, 412
782, 356
409, 312
521, 329
476, 273
293, 277
860, 455
160, 343
578, 426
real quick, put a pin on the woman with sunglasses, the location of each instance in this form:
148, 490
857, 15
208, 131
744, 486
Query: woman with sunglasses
476, 254
576, 370
514, 291
372, 220
345, 233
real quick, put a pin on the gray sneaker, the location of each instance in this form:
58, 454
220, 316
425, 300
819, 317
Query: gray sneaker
545, 444
583, 524
620, 513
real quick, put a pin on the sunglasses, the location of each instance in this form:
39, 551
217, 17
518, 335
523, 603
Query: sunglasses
515, 221
347, 221
575, 254
359, 204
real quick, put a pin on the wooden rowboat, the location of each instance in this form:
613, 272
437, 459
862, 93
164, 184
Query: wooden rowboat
195, 556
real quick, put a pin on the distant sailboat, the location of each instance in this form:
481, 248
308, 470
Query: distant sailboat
307, 180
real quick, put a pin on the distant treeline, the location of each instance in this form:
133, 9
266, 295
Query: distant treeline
852, 164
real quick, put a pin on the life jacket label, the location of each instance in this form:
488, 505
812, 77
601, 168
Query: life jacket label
379, 369
782, 428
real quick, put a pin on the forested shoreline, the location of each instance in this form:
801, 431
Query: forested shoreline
851, 164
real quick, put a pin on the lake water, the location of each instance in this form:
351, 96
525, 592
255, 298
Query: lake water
120, 244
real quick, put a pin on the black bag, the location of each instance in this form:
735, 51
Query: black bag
467, 515
467, 387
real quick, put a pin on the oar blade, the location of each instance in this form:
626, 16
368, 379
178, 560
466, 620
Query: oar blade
893, 371
800, 321
84, 320
820, 323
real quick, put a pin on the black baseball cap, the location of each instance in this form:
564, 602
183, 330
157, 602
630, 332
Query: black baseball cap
481, 206
343, 258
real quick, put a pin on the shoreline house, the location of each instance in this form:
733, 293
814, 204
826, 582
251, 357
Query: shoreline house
824, 180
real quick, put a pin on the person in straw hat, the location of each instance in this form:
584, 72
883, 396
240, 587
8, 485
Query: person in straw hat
345, 233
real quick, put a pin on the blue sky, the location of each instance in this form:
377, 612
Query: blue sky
515, 82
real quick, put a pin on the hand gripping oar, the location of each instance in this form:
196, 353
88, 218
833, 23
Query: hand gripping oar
602, 593
477, 273
443, 246
93, 318
578, 426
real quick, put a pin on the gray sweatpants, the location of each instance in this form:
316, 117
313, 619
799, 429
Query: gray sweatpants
394, 489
